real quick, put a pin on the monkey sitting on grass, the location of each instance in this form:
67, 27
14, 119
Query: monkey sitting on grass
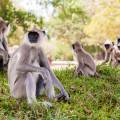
86, 65
29, 72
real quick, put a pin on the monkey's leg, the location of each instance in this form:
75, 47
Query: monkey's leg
88, 71
46, 84
39, 86
49, 81
49, 88
79, 71
114, 63
19, 88
30, 83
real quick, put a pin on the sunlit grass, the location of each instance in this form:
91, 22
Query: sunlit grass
91, 98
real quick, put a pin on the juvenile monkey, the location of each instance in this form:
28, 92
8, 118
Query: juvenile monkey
29, 71
3, 44
109, 46
86, 65
115, 55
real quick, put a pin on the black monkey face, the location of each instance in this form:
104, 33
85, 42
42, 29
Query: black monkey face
118, 40
33, 36
76, 46
107, 46
119, 47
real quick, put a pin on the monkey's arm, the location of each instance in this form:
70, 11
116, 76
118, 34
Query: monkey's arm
110, 59
4, 54
80, 67
44, 63
5, 44
107, 57
23, 64
113, 58
23, 67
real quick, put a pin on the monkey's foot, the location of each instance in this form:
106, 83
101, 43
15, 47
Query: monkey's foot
47, 104
80, 73
32, 101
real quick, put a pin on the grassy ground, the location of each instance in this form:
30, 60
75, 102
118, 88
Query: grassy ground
91, 99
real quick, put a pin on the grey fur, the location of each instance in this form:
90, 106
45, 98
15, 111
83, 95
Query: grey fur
86, 65
108, 52
4, 56
26, 65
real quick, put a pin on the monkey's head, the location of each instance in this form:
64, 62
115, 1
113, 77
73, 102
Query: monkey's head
4, 27
118, 43
118, 40
118, 46
108, 44
35, 36
77, 46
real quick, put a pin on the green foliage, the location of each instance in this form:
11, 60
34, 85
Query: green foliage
91, 98
67, 24
104, 22
17, 18
14, 16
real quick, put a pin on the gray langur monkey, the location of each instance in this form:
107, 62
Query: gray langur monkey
29, 71
86, 65
115, 56
109, 46
4, 56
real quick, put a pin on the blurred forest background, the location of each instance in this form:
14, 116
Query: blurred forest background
89, 21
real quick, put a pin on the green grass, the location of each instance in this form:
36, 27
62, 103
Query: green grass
91, 99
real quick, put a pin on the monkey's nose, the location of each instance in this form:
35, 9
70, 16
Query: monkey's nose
73, 46
33, 36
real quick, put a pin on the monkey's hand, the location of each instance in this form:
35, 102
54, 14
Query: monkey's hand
64, 97
79, 71
44, 73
